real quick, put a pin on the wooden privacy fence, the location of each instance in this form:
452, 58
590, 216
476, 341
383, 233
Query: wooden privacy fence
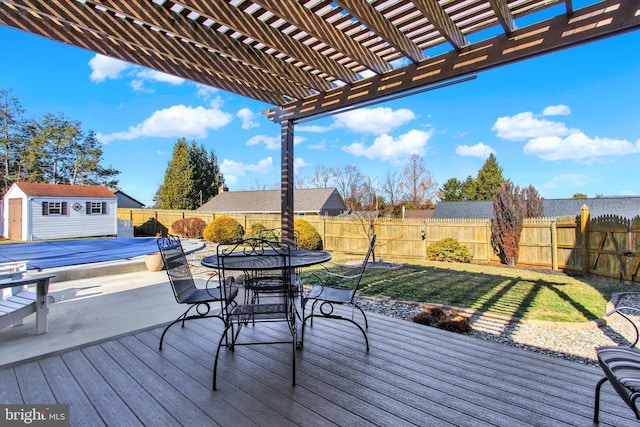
606, 246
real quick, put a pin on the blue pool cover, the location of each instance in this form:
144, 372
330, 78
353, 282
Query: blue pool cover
61, 253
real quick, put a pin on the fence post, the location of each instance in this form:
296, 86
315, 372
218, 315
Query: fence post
488, 236
584, 234
554, 245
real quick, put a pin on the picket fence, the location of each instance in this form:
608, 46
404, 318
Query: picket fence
607, 246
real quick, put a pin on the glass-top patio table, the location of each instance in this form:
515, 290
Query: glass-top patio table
248, 262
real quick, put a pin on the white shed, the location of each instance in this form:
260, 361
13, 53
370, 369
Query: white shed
35, 211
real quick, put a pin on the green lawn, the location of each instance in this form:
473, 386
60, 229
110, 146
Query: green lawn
515, 292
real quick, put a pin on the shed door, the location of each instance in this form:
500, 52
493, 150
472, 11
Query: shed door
15, 219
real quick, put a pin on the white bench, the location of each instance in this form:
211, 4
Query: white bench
20, 301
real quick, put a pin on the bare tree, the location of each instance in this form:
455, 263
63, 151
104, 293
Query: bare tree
322, 176
417, 184
350, 183
391, 188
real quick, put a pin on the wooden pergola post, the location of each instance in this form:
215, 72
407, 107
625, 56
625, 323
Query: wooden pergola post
584, 234
286, 179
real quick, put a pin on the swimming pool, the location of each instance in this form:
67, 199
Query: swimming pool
60, 253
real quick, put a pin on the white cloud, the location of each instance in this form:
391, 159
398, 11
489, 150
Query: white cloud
564, 181
174, 122
104, 67
579, 146
385, 147
270, 142
556, 110
320, 146
248, 118
313, 128
376, 121
525, 125
299, 163
158, 76
479, 150
233, 170
205, 92
551, 140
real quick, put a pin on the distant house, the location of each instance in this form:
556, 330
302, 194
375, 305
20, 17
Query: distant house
54, 211
417, 213
312, 201
126, 201
626, 207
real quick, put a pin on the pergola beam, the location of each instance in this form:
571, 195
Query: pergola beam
603, 19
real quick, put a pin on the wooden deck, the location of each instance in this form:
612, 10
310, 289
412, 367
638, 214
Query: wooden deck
413, 375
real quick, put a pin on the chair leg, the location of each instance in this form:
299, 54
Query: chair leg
223, 337
182, 318
596, 406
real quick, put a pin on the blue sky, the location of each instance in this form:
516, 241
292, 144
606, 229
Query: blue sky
566, 123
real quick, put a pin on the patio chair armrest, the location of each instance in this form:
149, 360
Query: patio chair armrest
332, 274
618, 310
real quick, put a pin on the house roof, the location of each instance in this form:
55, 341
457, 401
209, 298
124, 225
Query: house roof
626, 207
312, 200
122, 194
64, 190
310, 57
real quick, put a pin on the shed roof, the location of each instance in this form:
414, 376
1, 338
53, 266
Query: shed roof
311, 200
626, 207
64, 190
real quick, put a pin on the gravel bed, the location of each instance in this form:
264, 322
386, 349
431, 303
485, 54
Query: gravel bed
572, 342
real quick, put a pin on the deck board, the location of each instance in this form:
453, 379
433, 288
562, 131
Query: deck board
412, 375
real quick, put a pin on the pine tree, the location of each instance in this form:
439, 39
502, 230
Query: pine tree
207, 177
489, 179
192, 175
469, 190
11, 112
177, 191
451, 191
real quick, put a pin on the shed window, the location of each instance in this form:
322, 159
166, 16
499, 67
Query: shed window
54, 208
96, 208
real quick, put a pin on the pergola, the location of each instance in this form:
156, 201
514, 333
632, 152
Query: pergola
310, 58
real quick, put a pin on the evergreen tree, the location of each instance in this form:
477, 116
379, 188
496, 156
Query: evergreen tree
469, 190
11, 112
207, 177
178, 191
451, 191
192, 175
489, 179
85, 167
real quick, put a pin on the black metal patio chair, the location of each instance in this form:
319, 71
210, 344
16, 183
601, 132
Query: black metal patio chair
621, 366
337, 289
210, 301
265, 282
253, 257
